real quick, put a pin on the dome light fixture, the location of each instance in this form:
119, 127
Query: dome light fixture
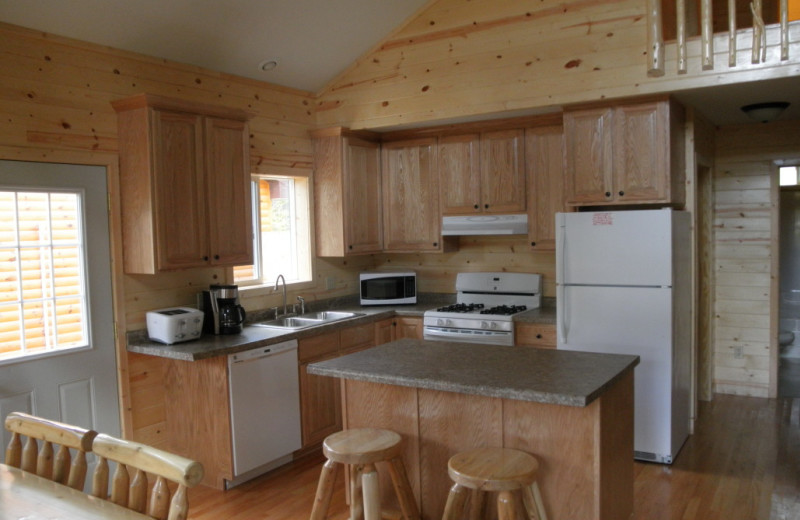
267, 65
765, 112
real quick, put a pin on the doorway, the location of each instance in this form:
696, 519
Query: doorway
789, 303
78, 384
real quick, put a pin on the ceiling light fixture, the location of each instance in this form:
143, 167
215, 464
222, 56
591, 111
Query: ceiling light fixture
765, 112
267, 65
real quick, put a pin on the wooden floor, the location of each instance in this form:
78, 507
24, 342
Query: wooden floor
742, 464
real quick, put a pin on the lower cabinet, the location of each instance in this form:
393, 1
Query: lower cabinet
320, 397
398, 327
535, 335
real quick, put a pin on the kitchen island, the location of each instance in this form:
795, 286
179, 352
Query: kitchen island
573, 410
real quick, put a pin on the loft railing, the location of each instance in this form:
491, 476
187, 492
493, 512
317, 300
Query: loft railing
655, 34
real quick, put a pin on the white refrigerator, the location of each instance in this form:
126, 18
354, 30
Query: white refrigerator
623, 287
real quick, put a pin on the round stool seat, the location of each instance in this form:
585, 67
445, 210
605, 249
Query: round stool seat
493, 469
362, 446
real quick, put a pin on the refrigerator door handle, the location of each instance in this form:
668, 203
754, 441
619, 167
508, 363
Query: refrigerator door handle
561, 315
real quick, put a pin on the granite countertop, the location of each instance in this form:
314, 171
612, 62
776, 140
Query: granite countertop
209, 345
526, 374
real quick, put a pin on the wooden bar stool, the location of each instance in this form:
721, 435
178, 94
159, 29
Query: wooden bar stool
494, 469
361, 449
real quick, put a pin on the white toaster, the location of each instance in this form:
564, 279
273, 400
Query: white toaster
174, 324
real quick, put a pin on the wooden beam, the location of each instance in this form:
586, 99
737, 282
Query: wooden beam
706, 35
655, 39
680, 18
731, 33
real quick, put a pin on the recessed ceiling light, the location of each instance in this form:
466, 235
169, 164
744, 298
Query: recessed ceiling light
267, 65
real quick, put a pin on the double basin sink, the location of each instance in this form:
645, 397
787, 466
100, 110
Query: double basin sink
311, 319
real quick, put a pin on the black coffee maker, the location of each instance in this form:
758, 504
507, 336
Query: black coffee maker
223, 314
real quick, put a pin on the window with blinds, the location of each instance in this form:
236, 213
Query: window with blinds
43, 306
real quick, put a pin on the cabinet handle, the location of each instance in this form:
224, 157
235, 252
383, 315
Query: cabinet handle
436, 244
538, 336
621, 193
205, 259
533, 244
608, 194
350, 247
476, 206
216, 257
486, 206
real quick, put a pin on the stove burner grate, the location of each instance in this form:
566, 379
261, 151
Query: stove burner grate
505, 310
461, 307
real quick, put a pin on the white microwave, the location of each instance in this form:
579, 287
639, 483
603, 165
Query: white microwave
388, 288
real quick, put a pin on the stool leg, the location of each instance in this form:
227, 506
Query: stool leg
476, 504
456, 499
506, 507
533, 502
356, 496
372, 494
408, 504
322, 500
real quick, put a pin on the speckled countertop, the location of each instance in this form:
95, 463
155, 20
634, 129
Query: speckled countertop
209, 345
526, 374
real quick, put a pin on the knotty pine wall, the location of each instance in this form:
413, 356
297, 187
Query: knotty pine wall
746, 254
467, 58
55, 96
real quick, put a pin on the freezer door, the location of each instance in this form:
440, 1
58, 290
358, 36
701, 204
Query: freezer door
614, 248
624, 320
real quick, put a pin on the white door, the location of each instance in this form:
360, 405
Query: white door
78, 384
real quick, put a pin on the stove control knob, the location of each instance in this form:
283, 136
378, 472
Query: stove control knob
484, 324
448, 323
440, 322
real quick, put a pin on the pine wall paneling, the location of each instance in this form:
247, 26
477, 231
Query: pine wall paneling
55, 96
460, 59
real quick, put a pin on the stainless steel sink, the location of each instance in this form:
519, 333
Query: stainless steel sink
311, 319
330, 315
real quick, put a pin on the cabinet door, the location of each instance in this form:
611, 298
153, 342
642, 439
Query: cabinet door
535, 335
412, 221
356, 338
362, 214
544, 163
384, 331
588, 159
408, 327
460, 174
320, 405
228, 180
641, 154
179, 190
502, 171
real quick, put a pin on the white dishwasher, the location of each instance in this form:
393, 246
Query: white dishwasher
265, 408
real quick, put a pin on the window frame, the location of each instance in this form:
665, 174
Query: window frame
86, 341
260, 282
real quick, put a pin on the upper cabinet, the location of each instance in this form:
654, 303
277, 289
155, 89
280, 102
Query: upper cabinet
482, 172
544, 165
412, 221
184, 184
347, 193
628, 153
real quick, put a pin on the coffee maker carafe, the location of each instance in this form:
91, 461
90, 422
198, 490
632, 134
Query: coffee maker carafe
224, 315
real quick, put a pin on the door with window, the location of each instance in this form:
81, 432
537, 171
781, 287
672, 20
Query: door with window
57, 350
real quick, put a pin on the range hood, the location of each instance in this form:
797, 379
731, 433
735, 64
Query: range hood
485, 225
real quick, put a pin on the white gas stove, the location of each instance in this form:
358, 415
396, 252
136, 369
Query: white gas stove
485, 306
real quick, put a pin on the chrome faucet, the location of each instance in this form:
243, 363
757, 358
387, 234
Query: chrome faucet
281, 279
302, 305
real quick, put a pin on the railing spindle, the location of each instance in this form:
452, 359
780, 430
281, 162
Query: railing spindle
706, 35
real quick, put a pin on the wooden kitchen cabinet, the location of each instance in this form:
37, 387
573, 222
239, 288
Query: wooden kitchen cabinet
482, 172
544, 166
398, 327
184, 184
631, 153
320, 397
347, 193
412, 221
535, 335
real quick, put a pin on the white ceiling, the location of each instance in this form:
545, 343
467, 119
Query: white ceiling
312, 40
